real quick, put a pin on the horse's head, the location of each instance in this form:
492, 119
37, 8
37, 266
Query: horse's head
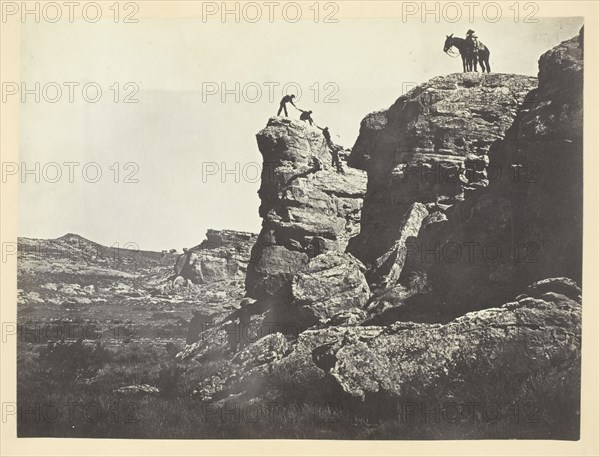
448, 43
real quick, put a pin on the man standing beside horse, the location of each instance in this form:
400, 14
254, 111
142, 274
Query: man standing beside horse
471, 50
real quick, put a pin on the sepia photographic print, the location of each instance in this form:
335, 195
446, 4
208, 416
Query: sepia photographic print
337, 221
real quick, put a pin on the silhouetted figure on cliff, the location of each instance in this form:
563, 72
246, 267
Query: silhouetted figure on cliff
465, 48
472, 48
335, 158
305, 116
283, 103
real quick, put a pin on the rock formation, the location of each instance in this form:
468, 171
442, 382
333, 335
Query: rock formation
538, 332
407, 358
430, 147
330, 284
527, 224
223, 255
307, 207
441, 164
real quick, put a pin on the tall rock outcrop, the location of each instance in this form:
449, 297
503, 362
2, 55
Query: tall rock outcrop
430, 147
527, 224
308, 209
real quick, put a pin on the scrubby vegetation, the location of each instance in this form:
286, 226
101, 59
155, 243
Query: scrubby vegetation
70, 389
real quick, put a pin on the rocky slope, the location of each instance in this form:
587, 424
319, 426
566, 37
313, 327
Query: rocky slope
429, 149
538, 332
70, 280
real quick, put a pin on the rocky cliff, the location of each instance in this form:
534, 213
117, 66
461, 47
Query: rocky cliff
431, 145
428, 151
527, 224
527, 349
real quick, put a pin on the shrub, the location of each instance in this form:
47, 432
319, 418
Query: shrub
65, 362
419, 282
168, 379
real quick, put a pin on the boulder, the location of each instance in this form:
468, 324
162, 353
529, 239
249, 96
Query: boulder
330, 283
407, 359
223, 256
272, 272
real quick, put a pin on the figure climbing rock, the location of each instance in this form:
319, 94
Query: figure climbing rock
335, 158
306, 117
283, 103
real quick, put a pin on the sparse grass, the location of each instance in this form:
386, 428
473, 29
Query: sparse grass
530, 405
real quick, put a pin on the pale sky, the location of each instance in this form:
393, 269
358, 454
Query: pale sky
172, 133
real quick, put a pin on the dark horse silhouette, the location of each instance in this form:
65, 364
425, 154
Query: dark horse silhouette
469, 57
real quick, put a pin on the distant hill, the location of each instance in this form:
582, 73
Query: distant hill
75, 247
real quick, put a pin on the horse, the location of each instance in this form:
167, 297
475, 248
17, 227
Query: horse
469, 58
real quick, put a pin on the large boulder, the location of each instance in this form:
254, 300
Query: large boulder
403, 359
331, 283
222, 256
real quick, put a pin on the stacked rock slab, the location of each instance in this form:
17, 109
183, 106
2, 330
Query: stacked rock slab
430, 147
308, 209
